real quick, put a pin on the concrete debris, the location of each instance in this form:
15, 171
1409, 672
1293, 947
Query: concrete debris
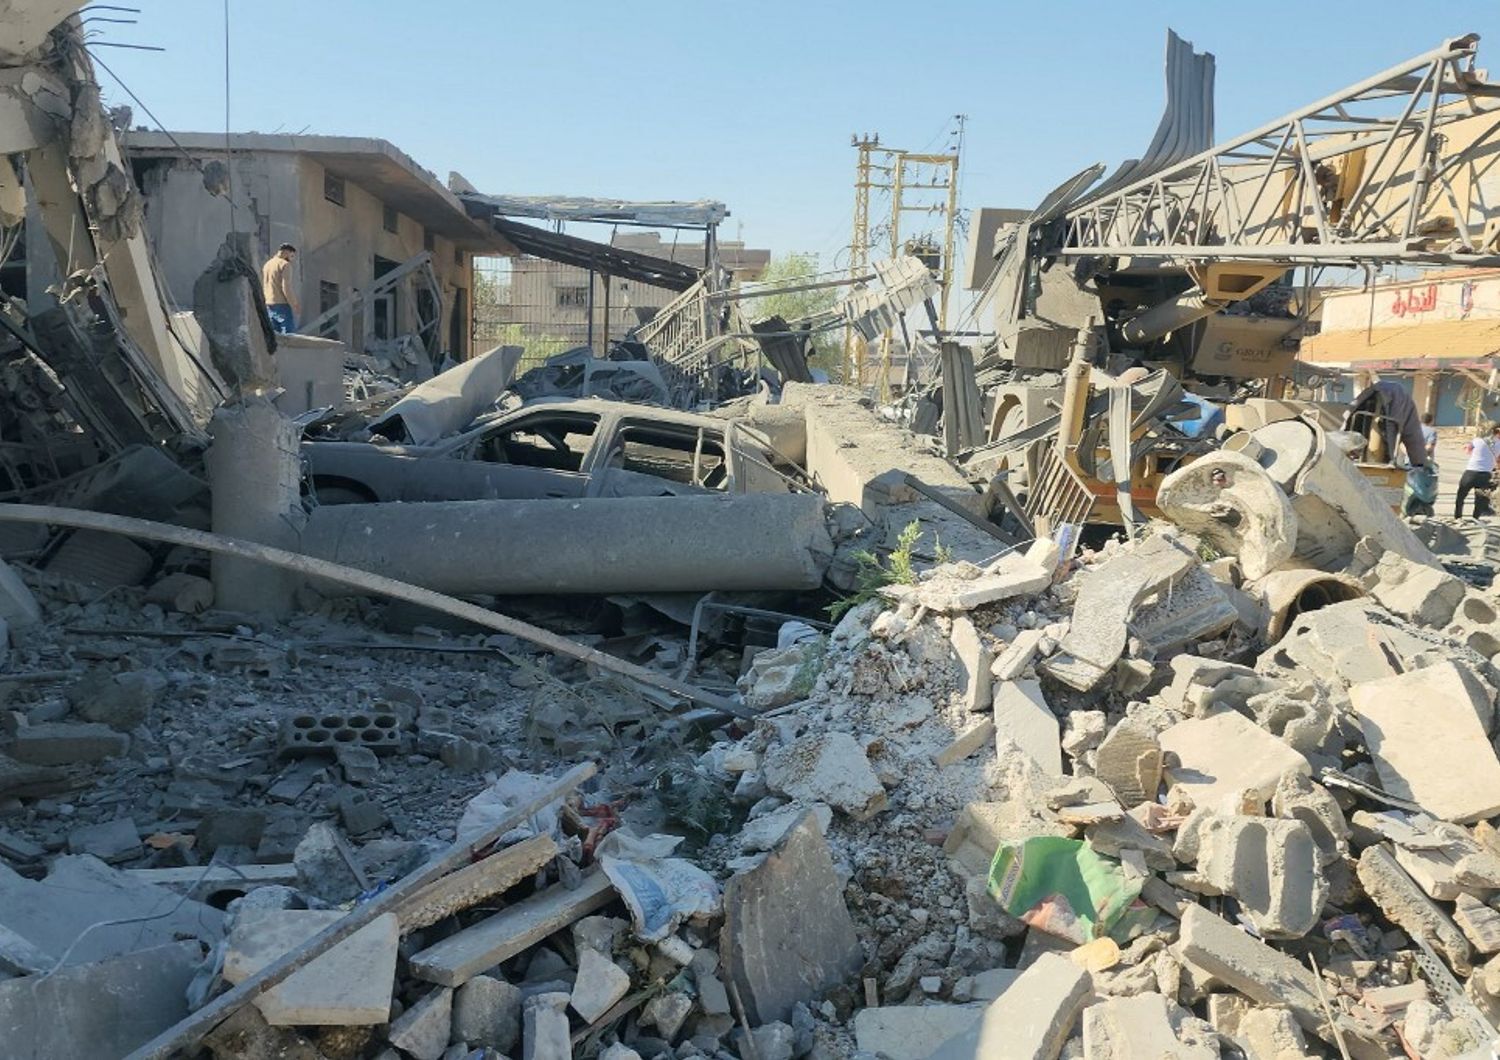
787, 934
1263, 697
1424, 733
350, 985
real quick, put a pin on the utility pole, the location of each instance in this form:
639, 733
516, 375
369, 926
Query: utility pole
859, 249
903, 177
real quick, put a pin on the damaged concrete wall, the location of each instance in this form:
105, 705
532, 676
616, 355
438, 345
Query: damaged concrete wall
187, 222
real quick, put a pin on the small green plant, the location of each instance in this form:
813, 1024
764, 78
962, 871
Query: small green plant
871, 575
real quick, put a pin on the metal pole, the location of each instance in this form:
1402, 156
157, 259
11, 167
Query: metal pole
606, 312
590, 339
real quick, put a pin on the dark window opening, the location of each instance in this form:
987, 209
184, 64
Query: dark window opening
572, 297
328, 298
556, 442
458, 338
683, 455
391, 219
458, 257
383, 306
429, 241
333, 188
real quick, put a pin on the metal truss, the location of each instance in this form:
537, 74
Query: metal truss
1378, 171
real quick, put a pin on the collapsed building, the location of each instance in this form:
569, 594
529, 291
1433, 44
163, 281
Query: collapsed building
529, 715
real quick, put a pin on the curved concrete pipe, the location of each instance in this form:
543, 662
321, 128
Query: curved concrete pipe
1287, 593
595, 546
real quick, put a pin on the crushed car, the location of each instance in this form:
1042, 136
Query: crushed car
564, 449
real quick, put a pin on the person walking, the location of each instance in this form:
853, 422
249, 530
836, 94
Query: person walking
277, 287
1477, 474
1429, 434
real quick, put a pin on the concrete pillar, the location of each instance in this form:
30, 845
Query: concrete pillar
1424, 393
599, 545
253, 473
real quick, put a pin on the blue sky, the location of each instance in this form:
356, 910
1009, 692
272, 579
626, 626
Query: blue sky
752, 103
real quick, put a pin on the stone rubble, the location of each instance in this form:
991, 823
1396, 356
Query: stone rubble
1328, 795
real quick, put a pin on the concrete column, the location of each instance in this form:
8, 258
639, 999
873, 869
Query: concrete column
599, 545
253, 473
1424, 393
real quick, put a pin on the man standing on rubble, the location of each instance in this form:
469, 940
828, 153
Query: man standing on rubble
276, 285
1478, 473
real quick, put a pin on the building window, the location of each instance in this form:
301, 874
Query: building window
458, 257
333, 188
328, 298
572, 297
429, 241
391, 220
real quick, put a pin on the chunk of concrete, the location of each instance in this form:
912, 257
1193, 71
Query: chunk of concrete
973, 663
600, 983
966, 743
1031, 1020
1418, 593
1013, 575
114, 840
1013, 661
18, 607
1023, 718
81, 892
787, 935
349, 986
1403, 902
765, 832
423, 1030
1266, 976
1230, 501
1129, 761
1479, 923
1110, 593
908, 1032
108, 1008
1271, 866
1423, 731
1221, 755
667, 1012
487, 1011
1300, 798
544, 1027
57, 743
1126, 1028
322, 869
982, 826
829, 767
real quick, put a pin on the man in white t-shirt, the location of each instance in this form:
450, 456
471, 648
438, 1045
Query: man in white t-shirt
1477, 474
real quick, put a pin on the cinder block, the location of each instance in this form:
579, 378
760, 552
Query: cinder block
1271, 866
325, 733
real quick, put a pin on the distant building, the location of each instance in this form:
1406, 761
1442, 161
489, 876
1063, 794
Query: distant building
550, 303
1438, 335
355, 208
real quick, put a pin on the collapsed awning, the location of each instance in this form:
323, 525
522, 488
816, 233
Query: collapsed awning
597, 257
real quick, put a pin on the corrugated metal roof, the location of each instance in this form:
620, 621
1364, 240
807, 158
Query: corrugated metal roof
1436, 341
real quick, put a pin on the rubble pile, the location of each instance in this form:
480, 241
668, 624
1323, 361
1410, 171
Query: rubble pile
1235, 845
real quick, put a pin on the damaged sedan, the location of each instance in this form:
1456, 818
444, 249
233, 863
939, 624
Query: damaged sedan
563, 449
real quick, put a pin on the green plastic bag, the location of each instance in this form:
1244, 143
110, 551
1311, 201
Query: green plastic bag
1061, 886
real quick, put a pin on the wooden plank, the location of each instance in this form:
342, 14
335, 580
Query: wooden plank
180, 1038
460, 957
494, 875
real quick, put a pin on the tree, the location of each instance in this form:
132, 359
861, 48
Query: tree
796, 307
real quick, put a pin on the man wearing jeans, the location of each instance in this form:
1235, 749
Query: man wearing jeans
276, 285
1481, 466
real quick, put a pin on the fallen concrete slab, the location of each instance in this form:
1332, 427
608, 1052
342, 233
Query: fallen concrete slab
1023, 718
486, 878
829, 767
787, 935
102, 1009
348, 986
1262, 974
1096, 639
1423, 731
460, 957
1224, 754
907, 1032
80, 892
1031, 1020
1127, 1028
1403, 902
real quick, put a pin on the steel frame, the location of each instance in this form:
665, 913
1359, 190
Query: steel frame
1359, 175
